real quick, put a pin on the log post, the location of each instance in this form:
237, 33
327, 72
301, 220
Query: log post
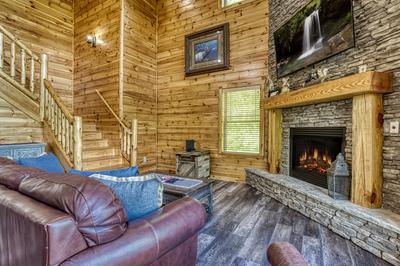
23, 67
1, 49
367, 151
134, 129
43, 76
12, 60
274, 140
78, 143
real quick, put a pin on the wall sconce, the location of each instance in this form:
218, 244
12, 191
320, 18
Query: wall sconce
91, 39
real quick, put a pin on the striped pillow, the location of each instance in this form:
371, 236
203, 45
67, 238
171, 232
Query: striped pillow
140, 195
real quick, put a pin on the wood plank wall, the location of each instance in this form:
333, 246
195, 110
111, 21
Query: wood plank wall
45, 26
139, 76
96, 68
188, 107
16, 127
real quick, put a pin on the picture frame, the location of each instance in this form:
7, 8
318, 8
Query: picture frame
207, 51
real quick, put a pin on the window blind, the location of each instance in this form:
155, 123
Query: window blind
241, 120
229, 2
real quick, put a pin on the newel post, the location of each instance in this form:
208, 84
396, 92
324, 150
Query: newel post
43, 76
134, 130
77, 142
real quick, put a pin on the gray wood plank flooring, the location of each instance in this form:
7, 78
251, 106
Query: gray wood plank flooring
246, 221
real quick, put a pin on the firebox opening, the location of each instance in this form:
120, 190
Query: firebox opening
312, 152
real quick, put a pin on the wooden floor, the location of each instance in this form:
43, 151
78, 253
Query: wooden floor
246, 221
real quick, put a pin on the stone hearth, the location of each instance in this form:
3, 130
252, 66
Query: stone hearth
375, 230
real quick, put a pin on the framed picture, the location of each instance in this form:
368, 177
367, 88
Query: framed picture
207, 51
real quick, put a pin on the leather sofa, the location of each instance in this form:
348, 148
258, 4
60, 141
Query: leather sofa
284, 254
63, 219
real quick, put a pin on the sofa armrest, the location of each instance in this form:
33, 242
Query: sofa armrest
284, 254
148, 238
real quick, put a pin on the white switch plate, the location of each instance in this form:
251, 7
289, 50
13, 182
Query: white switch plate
362, 68
145, 159
394, 127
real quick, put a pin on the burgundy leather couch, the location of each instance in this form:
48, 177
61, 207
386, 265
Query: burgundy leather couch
284, 254
63, 219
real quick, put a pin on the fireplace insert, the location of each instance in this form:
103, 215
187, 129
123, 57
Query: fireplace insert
312, 151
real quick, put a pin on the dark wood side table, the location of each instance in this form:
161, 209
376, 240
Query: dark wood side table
194, 164
202, 192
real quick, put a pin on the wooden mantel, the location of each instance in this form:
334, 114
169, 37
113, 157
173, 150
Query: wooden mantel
335, 90
366, 90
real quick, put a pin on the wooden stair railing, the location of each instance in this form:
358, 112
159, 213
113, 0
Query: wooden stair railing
25, 55
128, 136
62, 130
66, 128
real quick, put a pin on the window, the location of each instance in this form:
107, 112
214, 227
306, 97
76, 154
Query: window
225, 3
240, 120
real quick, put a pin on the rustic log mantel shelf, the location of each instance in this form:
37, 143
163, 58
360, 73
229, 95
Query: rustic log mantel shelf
340, 89
366, 90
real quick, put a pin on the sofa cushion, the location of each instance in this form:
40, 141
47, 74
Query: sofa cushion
12, 175
140, 195
125, 172
97, 211
47, 162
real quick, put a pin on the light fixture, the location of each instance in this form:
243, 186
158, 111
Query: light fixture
91, 39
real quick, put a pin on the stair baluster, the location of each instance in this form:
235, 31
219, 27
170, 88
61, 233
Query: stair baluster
12, 71
1, 50
23, 68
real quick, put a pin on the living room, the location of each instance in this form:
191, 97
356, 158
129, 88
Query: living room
199, 132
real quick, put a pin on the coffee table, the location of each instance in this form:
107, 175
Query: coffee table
202, 192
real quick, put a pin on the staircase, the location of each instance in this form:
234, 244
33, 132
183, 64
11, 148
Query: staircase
78, 143
98, 153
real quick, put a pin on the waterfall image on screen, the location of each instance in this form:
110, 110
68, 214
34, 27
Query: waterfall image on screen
321, 29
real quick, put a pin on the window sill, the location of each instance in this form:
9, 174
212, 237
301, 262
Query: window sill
243, 154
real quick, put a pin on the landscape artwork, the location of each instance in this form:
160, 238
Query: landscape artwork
207, 51
321, 29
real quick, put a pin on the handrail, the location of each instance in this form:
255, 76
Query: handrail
18, 42
113, 113
58, 101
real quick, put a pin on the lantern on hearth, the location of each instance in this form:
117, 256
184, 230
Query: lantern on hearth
339, 180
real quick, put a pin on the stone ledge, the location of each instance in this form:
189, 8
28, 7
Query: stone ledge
375, 230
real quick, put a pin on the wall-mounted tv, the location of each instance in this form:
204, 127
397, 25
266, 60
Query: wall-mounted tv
321, 29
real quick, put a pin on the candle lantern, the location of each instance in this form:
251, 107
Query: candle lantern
339, 180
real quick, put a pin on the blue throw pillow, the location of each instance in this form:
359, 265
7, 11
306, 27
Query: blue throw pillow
125, 172
47, 162
139, 195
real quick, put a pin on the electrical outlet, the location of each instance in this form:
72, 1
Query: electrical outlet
145, 159
394, 127
362, 69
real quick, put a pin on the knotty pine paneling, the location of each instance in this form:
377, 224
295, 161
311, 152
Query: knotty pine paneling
16, 127
97, 68
139, 76
188, 107
45, 27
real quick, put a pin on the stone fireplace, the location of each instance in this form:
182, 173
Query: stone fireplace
312, 151
307, 128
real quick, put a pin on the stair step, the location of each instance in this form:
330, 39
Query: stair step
92, 136
104, 161
88, 127
112, 167
99, 152
89, 144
